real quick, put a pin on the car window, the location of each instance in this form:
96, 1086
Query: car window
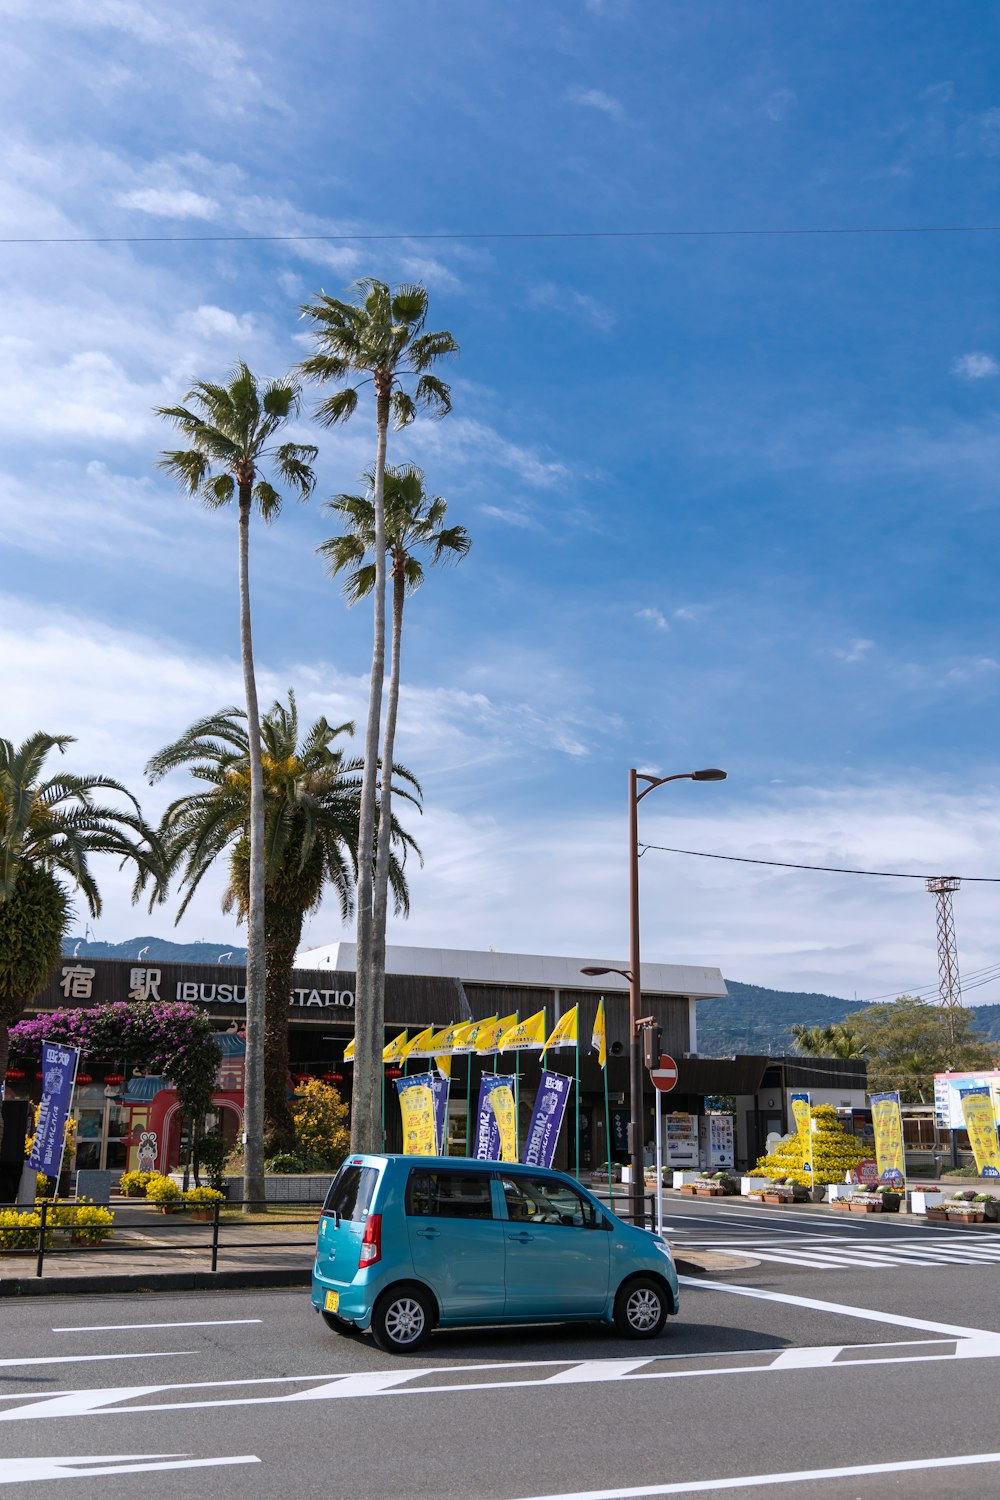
449, 1195
351, 1192
546, 1200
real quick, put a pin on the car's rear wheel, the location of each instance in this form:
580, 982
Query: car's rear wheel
402, 1319
641, 1308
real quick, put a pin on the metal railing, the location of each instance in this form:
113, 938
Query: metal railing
220, 1236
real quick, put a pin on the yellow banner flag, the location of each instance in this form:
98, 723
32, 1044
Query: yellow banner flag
980, 1122
416, 1105
802, 1115
599, 1040
490, 1033
349, 1051
888, 1125
443, 1041
524, 1035
463, 1039
502, 1104
443, 1062
396, 1048
420, 1046
564, 1032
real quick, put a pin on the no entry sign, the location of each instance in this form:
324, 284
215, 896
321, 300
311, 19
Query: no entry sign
665, 1076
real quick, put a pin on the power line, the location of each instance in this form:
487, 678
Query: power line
499, 234
784, 864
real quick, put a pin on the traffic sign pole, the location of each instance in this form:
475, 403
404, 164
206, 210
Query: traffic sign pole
657, 1113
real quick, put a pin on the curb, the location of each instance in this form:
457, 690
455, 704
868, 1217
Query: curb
162, 1281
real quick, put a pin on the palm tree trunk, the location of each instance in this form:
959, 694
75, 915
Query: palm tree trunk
4, 1059
366, 1109
253, 1096
384, 845
284, 930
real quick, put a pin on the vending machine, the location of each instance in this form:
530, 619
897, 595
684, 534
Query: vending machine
715, 1142
681, 1142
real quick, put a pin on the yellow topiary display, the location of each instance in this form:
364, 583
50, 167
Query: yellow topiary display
834, 1153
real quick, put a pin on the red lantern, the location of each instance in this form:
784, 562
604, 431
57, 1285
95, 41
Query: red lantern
83, 1079
393, 1072
14, 1075
113, 1080
333, 1078
300, 1078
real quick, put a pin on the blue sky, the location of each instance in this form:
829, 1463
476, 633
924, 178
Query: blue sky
733, 499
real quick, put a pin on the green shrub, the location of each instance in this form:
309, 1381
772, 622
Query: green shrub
162, 1189
210, 1157
284, 1163
322, 1136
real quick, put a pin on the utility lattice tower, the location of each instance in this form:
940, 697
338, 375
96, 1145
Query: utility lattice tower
942, 888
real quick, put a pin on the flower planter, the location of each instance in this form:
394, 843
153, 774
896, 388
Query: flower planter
937, 1215
891, 1202
777, 1197
688, 1190
964, 1216
171, 1208
203, 1215
708, 1190
860, 1206
843, 1204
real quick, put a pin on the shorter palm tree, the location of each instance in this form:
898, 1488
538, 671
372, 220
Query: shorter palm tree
50, 828
839, 1039
414, 528
311, 813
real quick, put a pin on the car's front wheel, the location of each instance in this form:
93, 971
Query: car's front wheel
641, 1308
402, 1319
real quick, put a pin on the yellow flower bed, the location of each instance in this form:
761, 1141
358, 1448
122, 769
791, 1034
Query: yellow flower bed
835, 1153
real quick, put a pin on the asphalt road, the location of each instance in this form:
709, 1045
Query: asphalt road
780, 1370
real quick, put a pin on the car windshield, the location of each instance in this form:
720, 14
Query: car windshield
351, 1192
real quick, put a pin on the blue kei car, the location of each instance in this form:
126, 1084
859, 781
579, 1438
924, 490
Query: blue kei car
410, 1243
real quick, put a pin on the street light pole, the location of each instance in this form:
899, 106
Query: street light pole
635, 971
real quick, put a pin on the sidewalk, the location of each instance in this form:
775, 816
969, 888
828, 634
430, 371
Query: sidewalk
149, 1252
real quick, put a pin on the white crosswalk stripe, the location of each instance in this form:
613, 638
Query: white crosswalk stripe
834, 1253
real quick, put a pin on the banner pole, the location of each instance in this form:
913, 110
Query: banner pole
468, 1104
607, 1119
517, 1094
578, 1095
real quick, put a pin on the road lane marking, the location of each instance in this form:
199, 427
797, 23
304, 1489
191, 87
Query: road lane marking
21, 1470
744, 1481
108, 1327
81, 1359
897, 1320
127, 1400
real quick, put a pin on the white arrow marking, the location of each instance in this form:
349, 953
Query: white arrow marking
20, 1470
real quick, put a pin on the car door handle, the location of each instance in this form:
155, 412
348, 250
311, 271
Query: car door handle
429, 1234
522, 1238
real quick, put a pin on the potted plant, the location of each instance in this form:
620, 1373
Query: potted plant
891, 1197
780, 1191
963, 1208
707, 1186
866, 1203
134, 1184
89, 1224
165, 1193
991, 1206
201, 1201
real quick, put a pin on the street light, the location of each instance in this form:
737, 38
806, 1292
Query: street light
633, 972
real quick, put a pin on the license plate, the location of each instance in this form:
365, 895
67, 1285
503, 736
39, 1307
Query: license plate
332, 1301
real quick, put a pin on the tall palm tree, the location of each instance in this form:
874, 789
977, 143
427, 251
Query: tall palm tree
311, 817
379, 338
839, 1039
50, 827
414, 524
230, 429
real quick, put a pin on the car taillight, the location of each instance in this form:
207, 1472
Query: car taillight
371, 1242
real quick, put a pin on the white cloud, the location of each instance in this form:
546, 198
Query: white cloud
856, 650
976, 366
779, 105
167, 204
655, 617
566, 299
599, 100
510, 517
212, 322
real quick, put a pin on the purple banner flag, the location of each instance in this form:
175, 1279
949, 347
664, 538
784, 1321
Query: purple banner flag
440, 1088
58, 1077
487, 1128
546, 1120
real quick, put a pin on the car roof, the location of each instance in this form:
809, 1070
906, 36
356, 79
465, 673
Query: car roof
362, 1158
